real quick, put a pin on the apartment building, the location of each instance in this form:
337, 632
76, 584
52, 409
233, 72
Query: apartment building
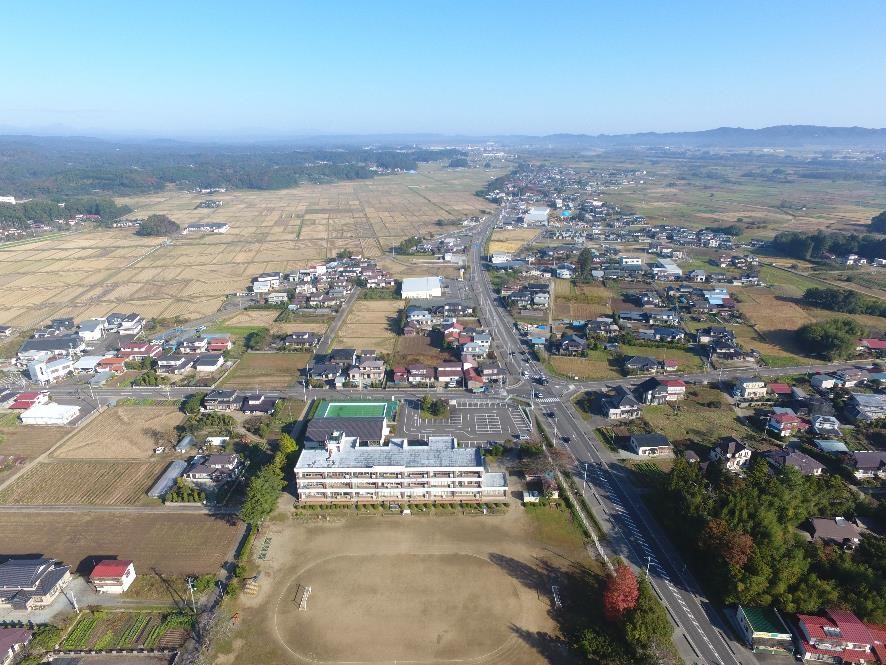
435, 470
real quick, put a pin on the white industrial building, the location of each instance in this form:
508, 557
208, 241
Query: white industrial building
50, 414
421, 287
537, 216
667, 268
91, 330
349, 471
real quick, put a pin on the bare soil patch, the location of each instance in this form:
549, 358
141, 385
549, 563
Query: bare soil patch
266, 370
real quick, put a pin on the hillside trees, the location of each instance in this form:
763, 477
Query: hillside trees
158, 225
878, 223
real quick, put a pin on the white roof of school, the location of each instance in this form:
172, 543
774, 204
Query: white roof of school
438, 451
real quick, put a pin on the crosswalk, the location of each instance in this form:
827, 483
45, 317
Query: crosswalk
547, 400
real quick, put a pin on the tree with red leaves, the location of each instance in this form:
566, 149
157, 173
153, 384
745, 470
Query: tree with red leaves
621, 593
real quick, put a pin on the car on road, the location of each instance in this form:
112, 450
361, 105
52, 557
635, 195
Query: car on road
551, 414
537, 394
565, 439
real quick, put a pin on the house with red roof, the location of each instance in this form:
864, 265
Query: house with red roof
24, 401
875, 346
781, 391
785, 424
112, 575
219, 344
840, 637
113, 364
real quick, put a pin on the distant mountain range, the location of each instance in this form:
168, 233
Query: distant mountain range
779, 136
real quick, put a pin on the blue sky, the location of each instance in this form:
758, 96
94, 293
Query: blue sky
274, 69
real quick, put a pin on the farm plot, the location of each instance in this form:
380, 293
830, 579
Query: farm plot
83, 483
510, 241
104, 630
253, 317
598, 365
266, 370
420, 349
201, 543
580, 301
30, 441
371, 324
123, 432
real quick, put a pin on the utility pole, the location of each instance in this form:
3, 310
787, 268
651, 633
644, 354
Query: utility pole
648, 563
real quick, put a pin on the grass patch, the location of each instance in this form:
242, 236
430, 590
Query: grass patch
9, 419
554, 523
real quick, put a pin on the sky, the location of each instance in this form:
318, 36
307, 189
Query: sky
244, 70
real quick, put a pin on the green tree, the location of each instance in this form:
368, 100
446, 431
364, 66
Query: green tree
833, 339
257, 339
158, 225
262, 493
648, 622
192, 404
878, 222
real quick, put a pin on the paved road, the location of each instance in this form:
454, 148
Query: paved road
701, 635
332, 331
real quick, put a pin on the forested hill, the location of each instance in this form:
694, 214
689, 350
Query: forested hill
54, 167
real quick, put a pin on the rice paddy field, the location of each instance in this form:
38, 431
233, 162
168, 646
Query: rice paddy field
93, 273
503, 240
371, 324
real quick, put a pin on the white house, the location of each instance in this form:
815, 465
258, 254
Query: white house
49, 414
48, 371
92, 330
630, 261
421, 287
112, 575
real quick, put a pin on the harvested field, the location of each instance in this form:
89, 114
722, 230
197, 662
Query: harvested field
83, 483
253, 317
30, 441
420, 349
123, 432
201, 543
598, 365
92, 273
581, 301
510, 241
371, 324
266, 370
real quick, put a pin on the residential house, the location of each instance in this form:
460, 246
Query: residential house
621, 405
263, 404
492, 372
640, 365
572, 345
139, 351
219, 344
174, 364
849, 378
42, 349
112, 575
449, 373
473, 380
209, 363
651, 445
475, 349
215, 468
785, 423
840, 637
324, 371
277, 298
779, 459
826, 425
221, 400
367, 371
732, 452
31, 583
863, 407
835, 530
697, 276
301, 340
111, 364
745, 388
781, 391
91, 330
660, 391
823, 381
831, 447
420, 374
12, 642
194, 345
50, 371
868, 464
343, 357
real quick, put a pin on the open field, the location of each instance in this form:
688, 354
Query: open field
123, 432
371, 324
30, 440
266, 370
421, 590
510, 241
93, 273
170, 543
260, 318
598, 365
581, 301
83, 483
695, 194
419, 349
702, 418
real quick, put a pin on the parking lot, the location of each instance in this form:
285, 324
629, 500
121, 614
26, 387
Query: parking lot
472, 421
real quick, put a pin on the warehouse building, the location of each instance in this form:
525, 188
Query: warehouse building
435, 470
421, 288
50, 414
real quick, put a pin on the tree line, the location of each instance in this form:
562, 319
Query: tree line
46, 211
741, 532
843, 300
808, 246
833, 339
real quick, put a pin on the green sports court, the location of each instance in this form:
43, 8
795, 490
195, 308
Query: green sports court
328, 409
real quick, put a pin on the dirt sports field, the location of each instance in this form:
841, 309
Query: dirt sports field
510, 241
93, 273
123, 432
371, 324
173, 544
417, 589
83, 483
266, 370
